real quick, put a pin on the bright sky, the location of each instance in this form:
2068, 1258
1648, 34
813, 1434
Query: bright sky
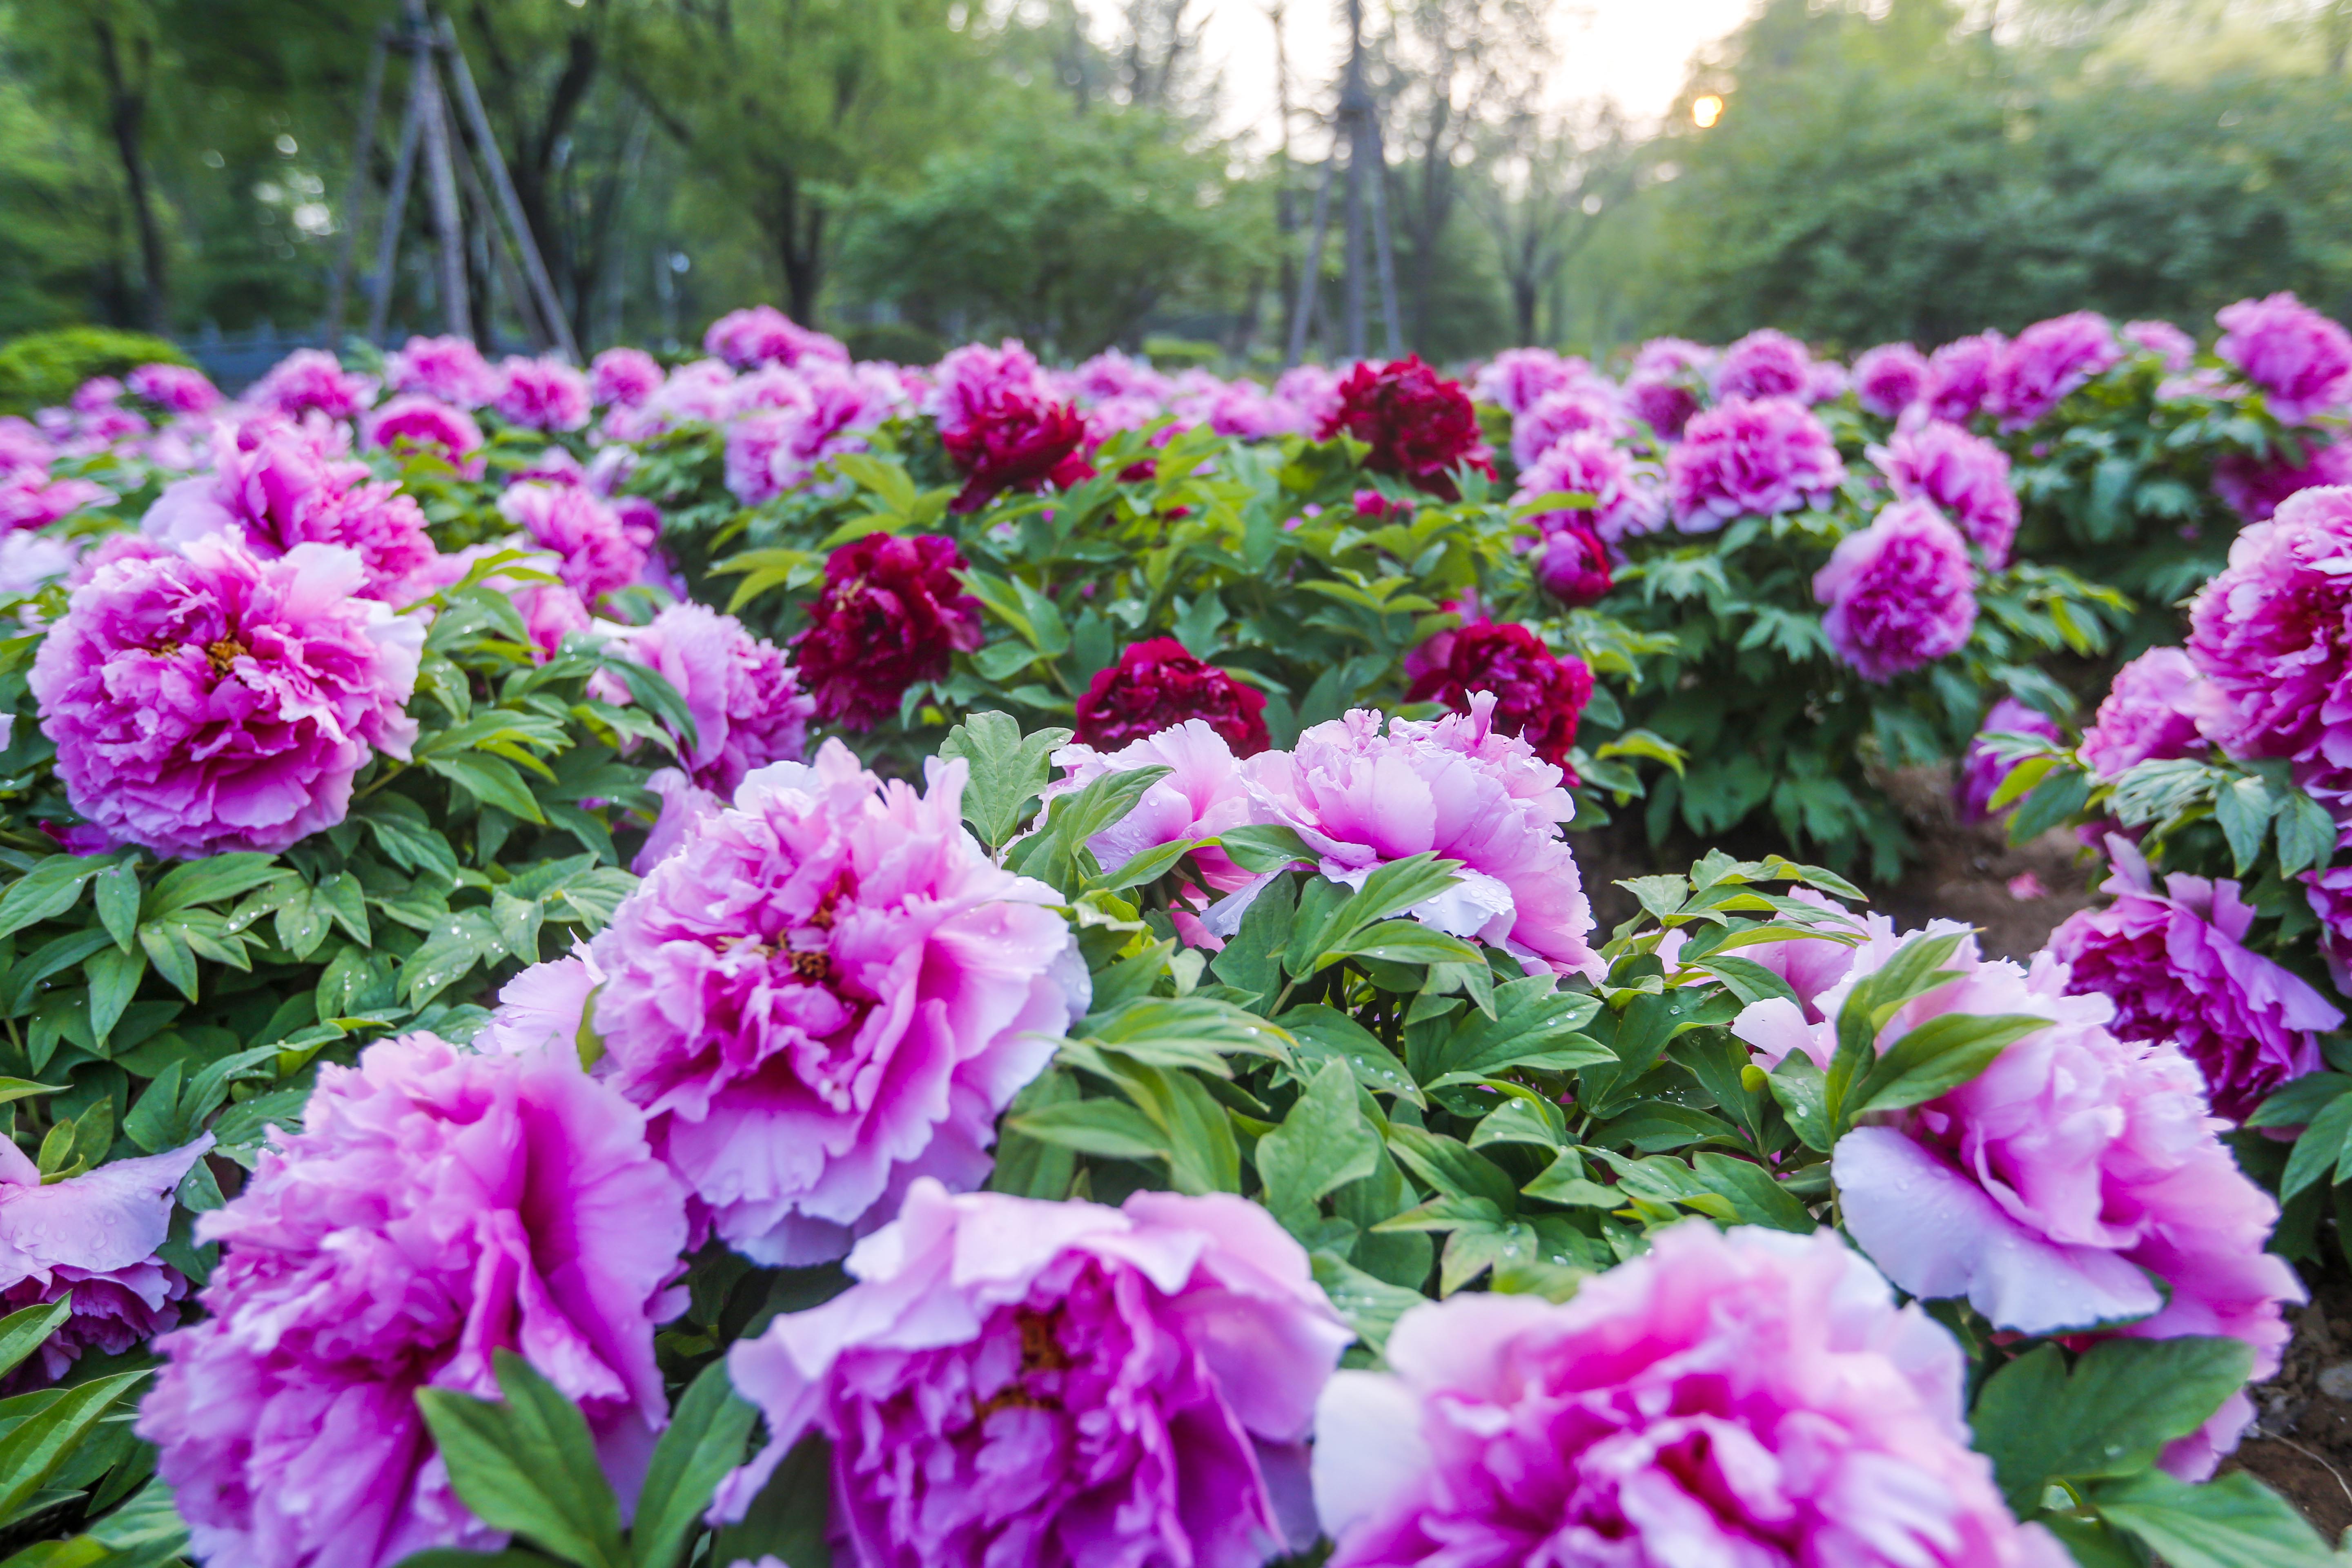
1636, 51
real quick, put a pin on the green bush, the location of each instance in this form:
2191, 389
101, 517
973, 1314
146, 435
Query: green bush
897, 342
41, 370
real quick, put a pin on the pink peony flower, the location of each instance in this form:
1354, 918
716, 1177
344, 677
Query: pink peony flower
1889, 379
2150, 712
1111, 374
1626, 499
1157, 683
747, 705
1249, 412
1959, 377
1983, 772
280, 490
2253, 487
1456, 785
769, 453
1517, 379
449, 369
1575, 410
28, 561
595, 554
23, 447
892, 613
1811, 964
424, 424
1312, 389
1965, 477
175, 388
2173, 348
628, 377
1665, 407
94, 1234
1750, 458
2268, 632
1750, 1398
763, 334
1673, 357
438, 1206
311, 379
2050, 1188
2048, 361
216, 700
2175, 964
828, 991
1206, 794
974, 378
30, 499
1764, 364
2301, 360
542, 395
1055, 1385
1900, 593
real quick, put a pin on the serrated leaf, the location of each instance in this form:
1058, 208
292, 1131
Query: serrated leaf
1323, 1143
2111, 1415
1008, 770
2233, 1521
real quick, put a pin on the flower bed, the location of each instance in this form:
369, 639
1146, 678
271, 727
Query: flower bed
786, 960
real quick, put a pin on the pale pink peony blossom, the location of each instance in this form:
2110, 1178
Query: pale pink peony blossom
761, 335
593, 551
1959, 377
1578, 408
542, 395
1751, 1398
1627, 500
2150, 712
448, 370
311, 380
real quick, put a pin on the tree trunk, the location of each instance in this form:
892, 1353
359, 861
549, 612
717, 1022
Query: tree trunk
126, 118
798, 231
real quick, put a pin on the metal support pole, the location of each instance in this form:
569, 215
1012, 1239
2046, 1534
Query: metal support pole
1310, 282
510, 274
396, 206
1383, 254
551, 308
448, 223
355, 194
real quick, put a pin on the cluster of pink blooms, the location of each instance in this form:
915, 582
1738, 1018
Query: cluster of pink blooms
2078, 1181
1901, 594
1747, 458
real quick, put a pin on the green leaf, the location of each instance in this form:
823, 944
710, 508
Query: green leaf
1535, 1025
1940, 1053
2300, 1100
2051, 802
2306, 833
1452, 1168
2244, 809
704, 1440
1753, 1194
1110, 1128
1252, 960
492, 781
1009, 770
790, 1521
208, 881
34, 1448
1202, 1154
117, 890
2323, 1144
1371, 1305
2111, 1415
22, 1333
529, 1465
1323, 1143
51, 888
652, 690
1798, 1087
114, 975
1402, 941
1264, 848
2233, 1521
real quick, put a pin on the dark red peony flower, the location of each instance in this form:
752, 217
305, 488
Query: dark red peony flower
1156, 684
891, 613
1420, 425
1011, 441
1539, 695
1572, 561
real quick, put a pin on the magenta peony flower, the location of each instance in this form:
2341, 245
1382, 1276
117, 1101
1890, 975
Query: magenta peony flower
2329, 892
175, 388
1750, 458
1539, 696
2175, 966
2173, 348
748, 708
1456, 785
1055, 1385
2301, 360
891, 614
1965, 477
763, 334
1889, 379
448, 370
1750, 1398
30, 499
1582, 409
828, 991
1900, 593
541, 394
2150, 712
771, 452
1764, 364
23, 447
1014, 443
1248, 410
1517, 379
2051, 1187
1312, 389
2048, 361
2268, 632
624, 376
1665, 407
1206, 794
1156, 684
1111, 374
94, 1234
1626, 499
438, 1207
311, 379
595, 554
280, 490
1420, 425
2253, 487
425, 423
216, 700
1572, 563
1959, 377
1981, 770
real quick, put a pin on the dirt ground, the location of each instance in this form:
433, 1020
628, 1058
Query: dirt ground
2301, 1444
